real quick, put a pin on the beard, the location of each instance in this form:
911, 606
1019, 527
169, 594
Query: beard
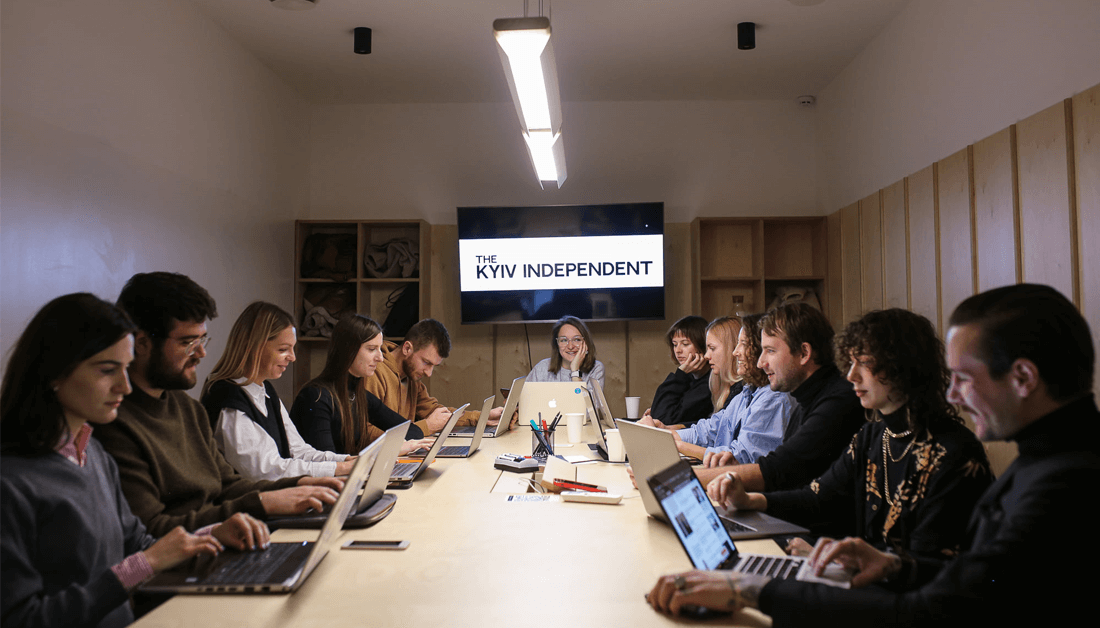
164, 376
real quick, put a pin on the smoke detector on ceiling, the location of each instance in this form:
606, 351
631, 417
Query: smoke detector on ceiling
294, 5
807, 101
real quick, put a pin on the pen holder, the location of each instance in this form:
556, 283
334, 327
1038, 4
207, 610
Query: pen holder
542, 443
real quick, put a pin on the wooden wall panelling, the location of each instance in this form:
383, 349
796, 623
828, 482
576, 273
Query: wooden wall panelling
648, 357
923, 258
1086, 146
895, 247
870, 247
1046, 215
834, 284
851, 266
996, 210
956, 253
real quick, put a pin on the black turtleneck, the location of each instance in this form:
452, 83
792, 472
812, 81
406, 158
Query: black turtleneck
820, 428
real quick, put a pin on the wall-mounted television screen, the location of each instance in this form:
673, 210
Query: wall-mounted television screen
537, 264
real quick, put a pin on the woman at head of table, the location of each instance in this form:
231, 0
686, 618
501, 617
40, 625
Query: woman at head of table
334, 412
70, 549
251, 425
572, 357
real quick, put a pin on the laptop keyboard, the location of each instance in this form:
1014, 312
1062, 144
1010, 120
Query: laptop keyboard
454, 450
404, 469
734, 526
781, 567
253, 567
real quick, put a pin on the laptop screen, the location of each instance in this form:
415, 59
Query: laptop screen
689, 511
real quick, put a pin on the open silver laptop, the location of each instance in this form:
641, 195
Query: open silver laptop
684, 501
544, 400
374, 504
406, 472
501, 428
282, 567
651, 450
465, 451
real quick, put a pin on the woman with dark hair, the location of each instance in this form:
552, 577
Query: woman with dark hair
70, 549
685, 395
572, 357
753, 423
912, 474
251, 425
334, 411
694, 390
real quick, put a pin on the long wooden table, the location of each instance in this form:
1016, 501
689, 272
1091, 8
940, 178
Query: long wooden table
476, 559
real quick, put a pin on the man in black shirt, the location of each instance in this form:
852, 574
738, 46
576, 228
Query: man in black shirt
797, 355
1022, 363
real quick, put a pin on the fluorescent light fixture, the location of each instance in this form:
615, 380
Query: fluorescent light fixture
548, 155
527, 54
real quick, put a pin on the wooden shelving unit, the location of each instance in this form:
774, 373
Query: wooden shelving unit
738, 263
371, 293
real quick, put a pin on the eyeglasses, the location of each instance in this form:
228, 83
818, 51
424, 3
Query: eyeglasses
191, 346
575, 340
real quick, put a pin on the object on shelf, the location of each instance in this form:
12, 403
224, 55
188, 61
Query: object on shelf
329, 256
399, 257
795, 294
323, 305
404, 307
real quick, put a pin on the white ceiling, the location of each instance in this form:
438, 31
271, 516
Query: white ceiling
435, 51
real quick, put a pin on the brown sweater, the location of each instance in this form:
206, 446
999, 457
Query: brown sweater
171, 470
415, 404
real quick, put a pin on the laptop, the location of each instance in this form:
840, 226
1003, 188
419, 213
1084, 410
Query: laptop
651, 450
546, 399
708, 545
281, 568
374, 504
500, 429
465, 451
405, 472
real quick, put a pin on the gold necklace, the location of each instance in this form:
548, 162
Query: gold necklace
888, 455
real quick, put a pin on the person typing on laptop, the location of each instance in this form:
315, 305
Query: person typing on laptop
797, 356
912, 474
334, 412
397, 381
171, 470
70, 549
752, 424
1022, 361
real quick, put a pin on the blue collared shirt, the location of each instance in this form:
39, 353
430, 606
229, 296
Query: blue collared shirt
750, 426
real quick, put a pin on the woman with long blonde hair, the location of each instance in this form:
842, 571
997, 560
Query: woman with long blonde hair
251, 425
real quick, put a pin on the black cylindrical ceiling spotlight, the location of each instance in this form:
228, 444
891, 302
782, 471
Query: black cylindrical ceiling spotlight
362, 40
746, 35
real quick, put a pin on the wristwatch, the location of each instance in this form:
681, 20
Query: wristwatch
574, 374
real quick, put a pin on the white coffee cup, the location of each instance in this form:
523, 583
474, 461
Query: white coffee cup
615, 450
574, 424
632, 404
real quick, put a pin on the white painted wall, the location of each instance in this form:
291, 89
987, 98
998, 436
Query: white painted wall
944, 74
137, 136
699, 158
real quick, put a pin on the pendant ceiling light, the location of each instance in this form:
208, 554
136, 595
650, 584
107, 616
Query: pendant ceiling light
527, 54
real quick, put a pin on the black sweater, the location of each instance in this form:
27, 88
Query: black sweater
1017, 568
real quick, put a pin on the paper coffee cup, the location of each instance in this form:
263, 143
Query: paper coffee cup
574, 424
615, 451
632, 404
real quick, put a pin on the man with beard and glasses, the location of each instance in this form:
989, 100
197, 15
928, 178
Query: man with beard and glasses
171, 470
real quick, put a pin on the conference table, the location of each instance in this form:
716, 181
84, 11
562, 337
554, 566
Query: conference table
475, 558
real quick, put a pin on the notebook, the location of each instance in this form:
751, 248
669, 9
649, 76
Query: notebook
281, 568
511, 401
406, 472
550, 398
373, 504
465, 451
651, 450
708, 545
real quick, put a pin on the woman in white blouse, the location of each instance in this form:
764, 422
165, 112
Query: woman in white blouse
251, 424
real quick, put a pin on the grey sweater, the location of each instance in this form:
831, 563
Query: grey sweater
62, 527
